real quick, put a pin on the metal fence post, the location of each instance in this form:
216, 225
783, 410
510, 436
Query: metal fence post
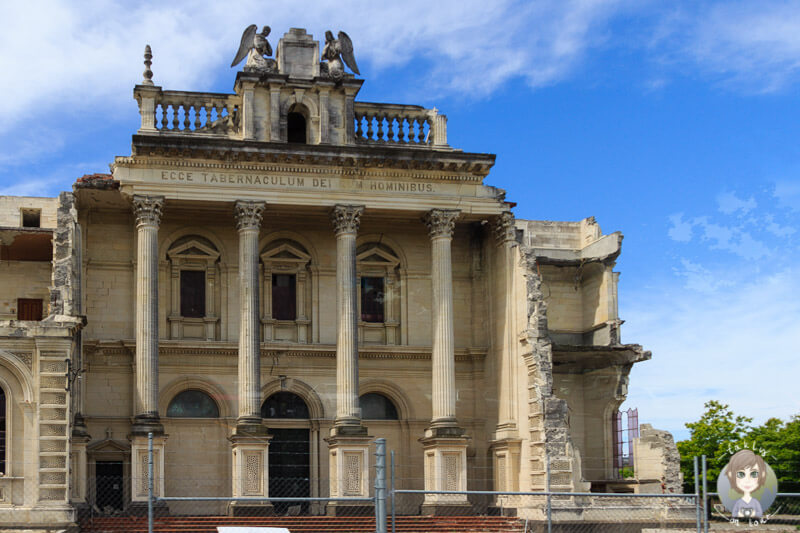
150, 482
697, 492
392, 489
549, 501
380, 485
705, 497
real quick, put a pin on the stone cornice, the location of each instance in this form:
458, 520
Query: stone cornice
354, 156
169, 349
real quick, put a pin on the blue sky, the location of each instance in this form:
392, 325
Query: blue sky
674, 122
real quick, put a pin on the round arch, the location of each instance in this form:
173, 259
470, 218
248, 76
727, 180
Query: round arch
183, 383
387, 241
20, 372
300, 388
310, 105
200, 231
265, 241
391, 391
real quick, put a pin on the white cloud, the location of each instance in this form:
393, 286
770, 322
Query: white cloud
737, 345
788, 194
729, 203
681, 230
750, 45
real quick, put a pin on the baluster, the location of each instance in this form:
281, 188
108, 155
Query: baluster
174, 116
369, 127
429, 136
197, 110
392, 129
381, 118
208, 115
186, 118
402, 124
421, 134
358, 131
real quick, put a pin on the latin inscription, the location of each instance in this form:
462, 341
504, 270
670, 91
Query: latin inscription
299, 182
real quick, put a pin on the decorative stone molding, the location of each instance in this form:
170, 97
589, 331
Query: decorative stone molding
346, 218
441, 222
504, 229
147, 210
248, 214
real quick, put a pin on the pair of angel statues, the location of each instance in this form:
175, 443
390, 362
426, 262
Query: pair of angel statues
255, 46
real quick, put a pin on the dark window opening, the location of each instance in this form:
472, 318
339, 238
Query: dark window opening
193, 404
109, 482
284, 405
31, 218
372, 299
193, 293
284, 297
29, 309
376, 406
3, 432
296, 128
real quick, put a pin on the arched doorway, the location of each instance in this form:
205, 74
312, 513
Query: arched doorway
287, 417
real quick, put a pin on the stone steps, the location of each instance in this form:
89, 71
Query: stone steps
305, 524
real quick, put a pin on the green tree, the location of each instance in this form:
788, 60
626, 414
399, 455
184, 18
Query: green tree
714, 435
780, 443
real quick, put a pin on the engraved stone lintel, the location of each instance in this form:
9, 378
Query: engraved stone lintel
505, 231
441, 222
346, 218
248, 214
148, 210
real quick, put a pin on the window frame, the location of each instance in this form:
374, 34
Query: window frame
201, 391
286, 256
379, 260
195, 253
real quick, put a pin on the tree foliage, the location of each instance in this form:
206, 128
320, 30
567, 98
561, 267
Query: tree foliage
719, 433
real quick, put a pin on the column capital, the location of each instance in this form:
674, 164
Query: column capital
441, 222
248, 214
504, 228
147, 209
346, 218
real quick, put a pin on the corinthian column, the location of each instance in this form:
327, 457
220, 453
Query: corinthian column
506, 238
441, 223
346, 219
148, 216
248, 223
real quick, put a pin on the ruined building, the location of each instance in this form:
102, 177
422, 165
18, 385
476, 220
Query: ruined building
288, 264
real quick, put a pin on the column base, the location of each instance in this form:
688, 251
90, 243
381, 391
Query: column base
445, 467
250, 451
349, 463
140, 509
245, 509
144, 424
139, 468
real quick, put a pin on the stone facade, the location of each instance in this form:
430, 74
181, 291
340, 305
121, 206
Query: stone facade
496, 340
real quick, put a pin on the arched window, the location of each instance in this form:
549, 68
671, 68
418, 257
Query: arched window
193, 404
376, 406
3, 432
296, 127
284, 404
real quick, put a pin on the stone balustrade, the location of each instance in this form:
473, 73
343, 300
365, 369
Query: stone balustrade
188, 112
394, 124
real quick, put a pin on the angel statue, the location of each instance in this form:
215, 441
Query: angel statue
255, 46
335, 51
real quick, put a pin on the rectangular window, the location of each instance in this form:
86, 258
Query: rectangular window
372, 299
29, 309
31, 218
284, 297
193, 293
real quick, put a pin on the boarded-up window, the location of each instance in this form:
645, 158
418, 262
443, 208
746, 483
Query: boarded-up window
193, 293
372, 299
29, 309
284, 297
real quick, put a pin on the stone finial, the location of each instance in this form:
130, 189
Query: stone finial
441, 222
346, 218
148, 74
